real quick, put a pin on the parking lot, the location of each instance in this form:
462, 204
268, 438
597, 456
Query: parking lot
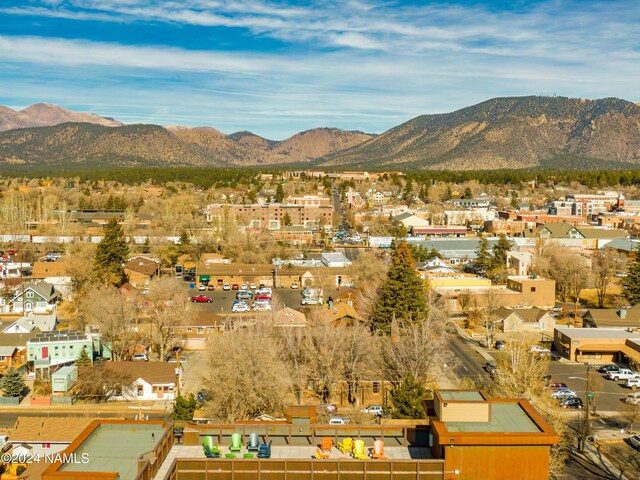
223, 300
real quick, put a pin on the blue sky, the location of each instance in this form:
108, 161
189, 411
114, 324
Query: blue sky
279, 67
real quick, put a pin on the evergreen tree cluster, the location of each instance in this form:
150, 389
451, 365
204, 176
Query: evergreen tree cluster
407, 399
631, 283
184, 407
111, 254
12, 383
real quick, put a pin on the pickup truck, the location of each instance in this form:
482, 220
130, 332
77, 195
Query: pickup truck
201, 299
622, 374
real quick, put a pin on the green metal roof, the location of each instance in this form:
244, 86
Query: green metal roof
505, 417
461, 395
116, 448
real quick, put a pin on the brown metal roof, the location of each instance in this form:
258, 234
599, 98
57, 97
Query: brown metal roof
48, 429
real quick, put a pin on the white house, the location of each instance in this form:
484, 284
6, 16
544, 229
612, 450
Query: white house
435, 265
151, 380
519, 263
39, 297
28, 323
334, 260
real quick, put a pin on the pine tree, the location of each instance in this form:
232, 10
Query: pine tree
407, 399
483, 259
500, 249
279, 194
112, 252
184, 407
183, 242
146, 246
403, 295
12, 383
631, 283
83, 359
286, 220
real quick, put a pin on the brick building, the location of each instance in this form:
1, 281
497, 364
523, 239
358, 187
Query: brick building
272, 216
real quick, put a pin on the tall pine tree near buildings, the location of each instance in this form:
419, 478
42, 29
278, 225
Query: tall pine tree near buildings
631, 283
112, 252
500, 250
483, 254
403, 295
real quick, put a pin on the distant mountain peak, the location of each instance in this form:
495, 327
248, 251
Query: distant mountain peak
46, 115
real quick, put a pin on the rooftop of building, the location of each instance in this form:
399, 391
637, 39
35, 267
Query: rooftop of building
465, 395
505, 417
597, 333
107, 452
48, 429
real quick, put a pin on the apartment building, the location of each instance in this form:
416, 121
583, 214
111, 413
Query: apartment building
271, 216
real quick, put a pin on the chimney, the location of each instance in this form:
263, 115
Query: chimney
622, 313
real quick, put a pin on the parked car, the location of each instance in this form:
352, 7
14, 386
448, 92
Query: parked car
609, 368
632, 383
203, 395
263, 293
244, 286
210, 288
262, 286
189, 278
261, 306
327, 408
294, 286
556, 386
252, 286
374, 410
622, 374
500, 345
539, 349
226, 287
202, 287
635, 442
555, 356
563, 393
571, 402
262, 297
490, 367
244, 295
338, 421
240, 307
633, 398
310, 301
140, 357
235, 286
201, 299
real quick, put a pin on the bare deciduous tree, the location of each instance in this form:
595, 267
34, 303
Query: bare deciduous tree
113, 314
246, 375
604, 266
323, 349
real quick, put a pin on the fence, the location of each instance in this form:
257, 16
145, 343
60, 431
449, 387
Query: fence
63, 400
9, 401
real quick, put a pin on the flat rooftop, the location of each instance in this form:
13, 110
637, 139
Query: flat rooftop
505, 417
466, 395
598, 333
116, 448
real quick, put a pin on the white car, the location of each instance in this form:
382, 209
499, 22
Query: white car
635, 442
240, 307
374, 410
252, 286
202, 287
294, 286
632, 383
244, 287
226, 286
310, 301
539, 349
261, 306
338, 421
563, 393
633, 398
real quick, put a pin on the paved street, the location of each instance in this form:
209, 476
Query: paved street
470, 362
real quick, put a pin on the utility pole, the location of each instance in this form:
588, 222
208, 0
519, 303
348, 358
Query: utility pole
178, 373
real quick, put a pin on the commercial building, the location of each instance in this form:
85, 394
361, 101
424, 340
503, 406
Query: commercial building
271, 216
597, 345
481, 438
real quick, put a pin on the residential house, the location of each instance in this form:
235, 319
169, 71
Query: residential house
39, 297
434, 265
42, 436
33, 322
47, 349
64, 379
141, 270
626, 246
455, 251
481, 438
7, 356
520, 263
194, 332
517, 320
151, 380
340, 314
567, 235
289, 318
623, 318
338, 259
54, 273
17, 344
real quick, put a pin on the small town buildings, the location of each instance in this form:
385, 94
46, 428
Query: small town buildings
482, 438
308, 200
340, 314
42, 436
475, 203
194, 332
410, 220
141, 270
456, 251
439, 231
31, 322
520, 263
623, 318
289, 318
333, 259
597, 345
14, 348
270, 216
7, 356
151, 380
518, 320
39, 297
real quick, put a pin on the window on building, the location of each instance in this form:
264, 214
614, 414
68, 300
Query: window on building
200, 330
29, 294
46, 445
533, 289
140, 391
375, 387
189, 329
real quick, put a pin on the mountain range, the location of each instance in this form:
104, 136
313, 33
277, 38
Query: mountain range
509, 132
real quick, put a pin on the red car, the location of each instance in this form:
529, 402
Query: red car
201, 299
262, 297
235, 286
